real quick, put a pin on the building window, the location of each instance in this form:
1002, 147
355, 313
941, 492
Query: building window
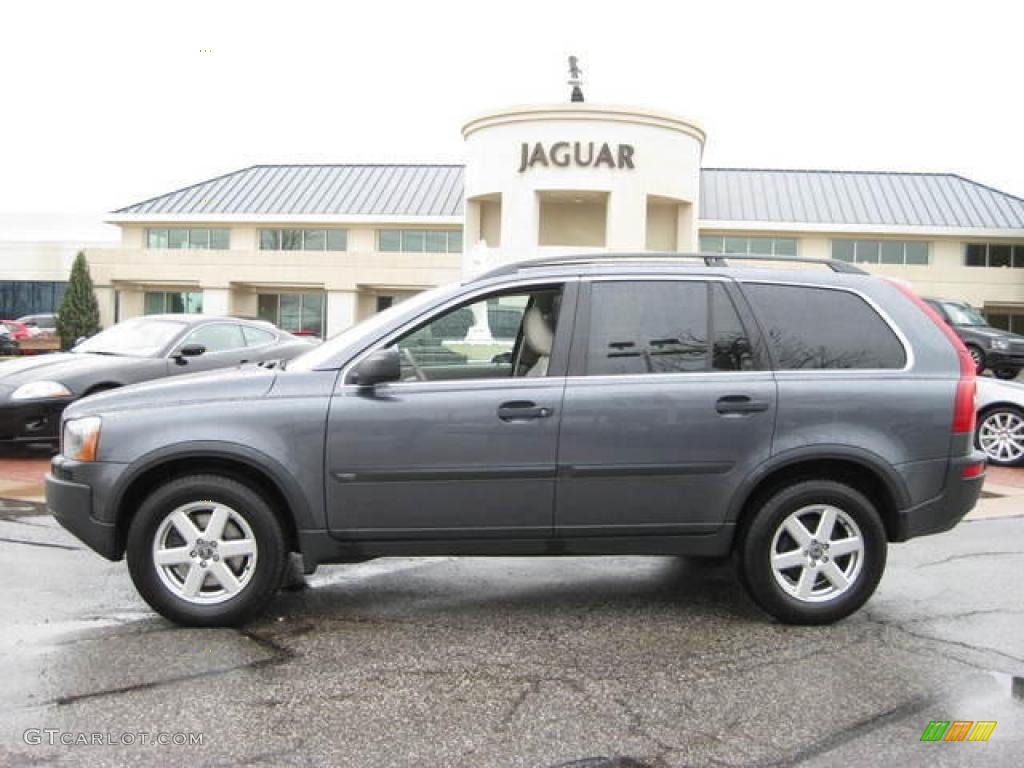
29, 297
1007, 320
758, 246
303, 239
993, 255
301, 313
419, 240
385, 302
913, 252
196, 238
174, 302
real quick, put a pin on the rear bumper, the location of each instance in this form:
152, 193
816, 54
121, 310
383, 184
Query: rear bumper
936, 515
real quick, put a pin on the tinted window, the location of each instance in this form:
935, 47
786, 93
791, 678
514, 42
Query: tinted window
810, 328
647, 327
219, 337
662, 327
731, 349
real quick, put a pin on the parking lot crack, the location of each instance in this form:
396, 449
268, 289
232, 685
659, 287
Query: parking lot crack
39, 544
971, 556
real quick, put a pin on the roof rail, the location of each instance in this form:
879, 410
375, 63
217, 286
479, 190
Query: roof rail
709, 259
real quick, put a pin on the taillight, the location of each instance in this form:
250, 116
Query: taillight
964, 411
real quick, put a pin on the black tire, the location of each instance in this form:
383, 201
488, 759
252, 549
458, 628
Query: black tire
757, 539
978, 355
262, 581
1010, 414
1006, 374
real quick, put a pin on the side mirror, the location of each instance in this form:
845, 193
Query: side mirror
381, 366
189, 350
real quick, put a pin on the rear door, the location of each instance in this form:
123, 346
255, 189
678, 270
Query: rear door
669, 405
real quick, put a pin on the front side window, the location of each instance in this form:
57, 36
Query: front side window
823, 328
663, 326
503, 336
217, 337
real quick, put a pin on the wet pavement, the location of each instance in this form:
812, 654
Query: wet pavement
582, 662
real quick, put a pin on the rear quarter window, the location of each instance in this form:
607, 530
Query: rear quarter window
812, 328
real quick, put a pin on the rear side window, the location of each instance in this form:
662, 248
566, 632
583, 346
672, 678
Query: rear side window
663, 326
821, 328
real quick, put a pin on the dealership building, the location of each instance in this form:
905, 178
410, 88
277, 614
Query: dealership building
319, 247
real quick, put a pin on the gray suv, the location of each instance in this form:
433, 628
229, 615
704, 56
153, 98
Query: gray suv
657, 404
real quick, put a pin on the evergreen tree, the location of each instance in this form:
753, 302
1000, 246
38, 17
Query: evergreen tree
78, 314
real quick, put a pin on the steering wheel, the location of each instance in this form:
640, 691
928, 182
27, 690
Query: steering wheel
420, 375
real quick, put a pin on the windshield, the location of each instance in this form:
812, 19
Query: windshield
322, 354
133, 338
963, 314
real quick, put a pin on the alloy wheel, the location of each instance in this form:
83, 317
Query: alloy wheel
817, 553
205, 552
1001, 436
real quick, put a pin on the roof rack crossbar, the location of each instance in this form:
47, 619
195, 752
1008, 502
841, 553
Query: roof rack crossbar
709, 259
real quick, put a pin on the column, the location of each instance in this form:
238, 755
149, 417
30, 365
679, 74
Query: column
215, 301
341, 311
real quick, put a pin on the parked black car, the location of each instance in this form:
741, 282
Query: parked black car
991, 348
8, 346
34, 391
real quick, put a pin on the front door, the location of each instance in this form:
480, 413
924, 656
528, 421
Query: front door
464, 446
659, 425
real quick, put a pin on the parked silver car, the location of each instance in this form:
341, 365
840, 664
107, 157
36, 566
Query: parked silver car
1000, 432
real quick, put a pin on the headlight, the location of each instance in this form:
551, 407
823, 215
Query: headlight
37, 390
81, 438
1001, 344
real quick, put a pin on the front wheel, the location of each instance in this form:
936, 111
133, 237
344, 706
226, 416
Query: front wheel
206, 550
1006, 374
1001, 436
813, 553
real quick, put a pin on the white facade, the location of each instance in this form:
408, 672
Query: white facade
537, 180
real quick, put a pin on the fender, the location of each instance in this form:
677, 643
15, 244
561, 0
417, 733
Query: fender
303, 514
871, 461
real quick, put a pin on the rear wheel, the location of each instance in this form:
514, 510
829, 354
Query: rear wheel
1001, 436
1006, 374
813, 553
205, 550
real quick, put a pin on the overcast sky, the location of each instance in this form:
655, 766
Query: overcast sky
107, 103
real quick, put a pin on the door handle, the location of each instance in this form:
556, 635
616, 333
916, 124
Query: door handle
740, 404
523, 410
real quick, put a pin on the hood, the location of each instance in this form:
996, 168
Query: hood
231, 384
991, 333
64, 367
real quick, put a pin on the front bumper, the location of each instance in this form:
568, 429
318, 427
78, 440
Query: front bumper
27, 421
77, 497
958, 497
1010, 359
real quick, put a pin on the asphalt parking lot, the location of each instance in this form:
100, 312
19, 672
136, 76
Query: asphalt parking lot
613, 661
